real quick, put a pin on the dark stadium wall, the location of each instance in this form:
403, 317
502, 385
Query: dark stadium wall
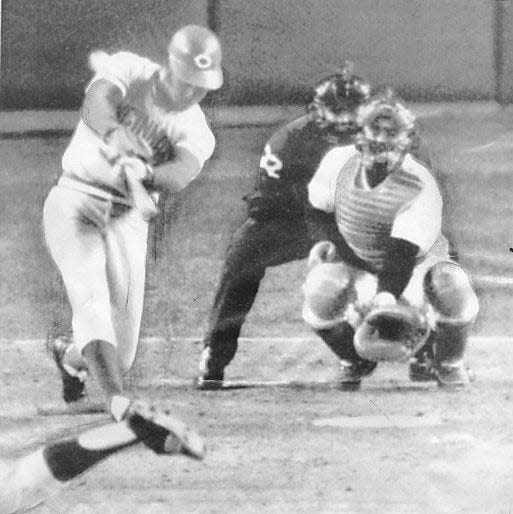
429, 50
274, 49
45, 43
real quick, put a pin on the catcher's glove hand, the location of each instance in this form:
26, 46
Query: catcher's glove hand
158, 430
391, 332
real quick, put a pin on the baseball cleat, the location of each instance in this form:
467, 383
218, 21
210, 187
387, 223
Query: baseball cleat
73, 381
452, 376
209, 379
421, 369
158, 430
209, 382
351, 373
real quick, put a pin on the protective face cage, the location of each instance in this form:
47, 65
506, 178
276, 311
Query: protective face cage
336, 98
386, 132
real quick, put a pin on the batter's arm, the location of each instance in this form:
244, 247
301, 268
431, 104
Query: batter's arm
100, 107
175, 175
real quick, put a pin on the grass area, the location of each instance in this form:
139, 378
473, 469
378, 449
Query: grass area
181, 284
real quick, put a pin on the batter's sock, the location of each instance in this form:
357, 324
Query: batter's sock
68, 459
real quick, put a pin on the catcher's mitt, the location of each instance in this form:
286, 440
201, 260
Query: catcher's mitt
391, 333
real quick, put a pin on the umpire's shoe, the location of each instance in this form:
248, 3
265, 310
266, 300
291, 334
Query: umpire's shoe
73, 381
351, 373
210, 377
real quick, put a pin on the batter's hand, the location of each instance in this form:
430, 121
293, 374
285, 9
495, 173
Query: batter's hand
121, 141
137, 173
136, 168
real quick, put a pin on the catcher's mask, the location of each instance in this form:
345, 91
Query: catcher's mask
391, 333
386, 132
335, 100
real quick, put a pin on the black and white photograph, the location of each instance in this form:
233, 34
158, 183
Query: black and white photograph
256, 257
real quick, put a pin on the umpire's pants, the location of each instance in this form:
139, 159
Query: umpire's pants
255, 246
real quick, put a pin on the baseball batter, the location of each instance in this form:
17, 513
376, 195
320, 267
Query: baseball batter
388, 209
141, 131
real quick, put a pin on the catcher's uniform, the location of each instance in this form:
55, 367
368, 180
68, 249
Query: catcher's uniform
95, 234
281, 227
406, 205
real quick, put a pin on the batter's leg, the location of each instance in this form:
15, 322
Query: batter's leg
77, 245
126, 244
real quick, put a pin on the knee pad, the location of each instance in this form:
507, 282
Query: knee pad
326, 290
449, 291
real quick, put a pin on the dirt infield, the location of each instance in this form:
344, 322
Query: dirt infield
403, 447
282, 438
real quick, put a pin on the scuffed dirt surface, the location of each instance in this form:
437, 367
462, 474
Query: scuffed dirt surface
266, 454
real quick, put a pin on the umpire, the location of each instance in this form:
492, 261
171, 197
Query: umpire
281, 226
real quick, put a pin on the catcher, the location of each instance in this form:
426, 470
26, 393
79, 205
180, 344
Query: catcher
281, 227
392, 282
141, 131
34, 477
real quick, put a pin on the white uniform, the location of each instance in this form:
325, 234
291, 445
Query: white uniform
96, 237
406, 205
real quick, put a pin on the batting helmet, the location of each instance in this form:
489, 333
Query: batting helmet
195, 57
336, 98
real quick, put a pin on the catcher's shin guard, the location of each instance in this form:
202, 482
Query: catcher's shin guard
449, 291
455, 304
353, 368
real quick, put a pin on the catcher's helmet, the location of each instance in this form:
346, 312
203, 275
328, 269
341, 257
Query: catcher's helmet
386, 131
195, 57
336, 98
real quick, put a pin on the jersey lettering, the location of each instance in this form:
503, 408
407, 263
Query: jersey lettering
141, 125
271, 163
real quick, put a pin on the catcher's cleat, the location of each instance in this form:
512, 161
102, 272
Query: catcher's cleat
209, 379
351, 373
452, 375
73, 381
158, 430
421, 369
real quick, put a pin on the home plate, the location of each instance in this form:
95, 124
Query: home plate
380, 421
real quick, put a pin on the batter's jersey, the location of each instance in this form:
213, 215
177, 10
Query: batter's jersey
407, 204
161, 129
289, 160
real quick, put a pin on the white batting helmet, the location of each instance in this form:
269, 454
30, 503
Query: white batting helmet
195, 57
